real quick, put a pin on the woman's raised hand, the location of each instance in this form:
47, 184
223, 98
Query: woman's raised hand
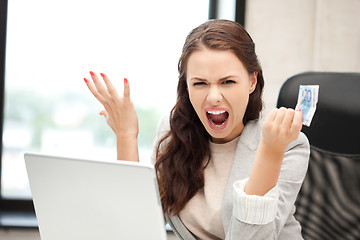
119, 113
281, 127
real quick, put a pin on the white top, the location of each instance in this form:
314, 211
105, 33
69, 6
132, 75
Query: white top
202, 214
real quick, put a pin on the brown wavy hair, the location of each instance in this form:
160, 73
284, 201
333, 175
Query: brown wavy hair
183, 153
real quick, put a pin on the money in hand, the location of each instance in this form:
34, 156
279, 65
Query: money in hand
307, 100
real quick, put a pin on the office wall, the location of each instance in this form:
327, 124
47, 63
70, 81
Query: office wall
293, 36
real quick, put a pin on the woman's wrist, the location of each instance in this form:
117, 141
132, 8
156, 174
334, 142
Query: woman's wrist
272, 149
127, 148
126, 136
266, 169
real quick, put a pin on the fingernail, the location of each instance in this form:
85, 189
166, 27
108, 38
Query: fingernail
125, 80
92, 73
101, 114
86, 81
103, 75
299, 110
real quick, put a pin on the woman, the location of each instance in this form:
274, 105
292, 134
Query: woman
223, 174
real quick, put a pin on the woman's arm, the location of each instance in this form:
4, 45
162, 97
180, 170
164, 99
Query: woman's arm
120, 115
271, 216
281, 127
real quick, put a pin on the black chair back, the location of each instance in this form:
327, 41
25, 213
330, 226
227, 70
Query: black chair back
328, 204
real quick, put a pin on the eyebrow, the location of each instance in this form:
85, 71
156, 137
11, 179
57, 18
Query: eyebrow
197, 79
203, 80
227, 77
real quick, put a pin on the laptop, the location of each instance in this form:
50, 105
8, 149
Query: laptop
78, 199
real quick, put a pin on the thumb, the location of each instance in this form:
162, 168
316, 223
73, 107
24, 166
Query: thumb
108, 120
103, 113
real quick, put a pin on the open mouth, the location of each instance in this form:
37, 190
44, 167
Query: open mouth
217, 118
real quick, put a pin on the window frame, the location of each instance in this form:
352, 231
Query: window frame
9, 208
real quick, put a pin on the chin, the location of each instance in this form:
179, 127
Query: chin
220, 136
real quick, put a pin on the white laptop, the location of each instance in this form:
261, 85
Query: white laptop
79, 199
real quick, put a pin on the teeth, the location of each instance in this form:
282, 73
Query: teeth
216, 112
220, 124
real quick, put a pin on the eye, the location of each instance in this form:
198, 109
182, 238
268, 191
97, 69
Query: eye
199, 83
228, 82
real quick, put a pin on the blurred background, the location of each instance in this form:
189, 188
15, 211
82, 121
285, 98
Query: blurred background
49, 46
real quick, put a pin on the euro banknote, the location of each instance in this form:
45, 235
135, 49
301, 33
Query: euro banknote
307, 100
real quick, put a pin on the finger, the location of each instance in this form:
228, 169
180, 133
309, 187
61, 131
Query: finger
272, 115
110, 87
288, 118
126, 89
99, 86
103, 113
280, 115
94, 91
297, 121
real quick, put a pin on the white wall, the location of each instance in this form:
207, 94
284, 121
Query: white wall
293, 36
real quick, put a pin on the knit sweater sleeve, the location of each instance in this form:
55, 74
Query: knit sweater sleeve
267, 217
254, 209
162, 128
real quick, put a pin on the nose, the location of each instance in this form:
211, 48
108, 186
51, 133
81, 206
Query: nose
214, 96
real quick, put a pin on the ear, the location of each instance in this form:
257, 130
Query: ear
253, 82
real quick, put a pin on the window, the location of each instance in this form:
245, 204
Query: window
52, 45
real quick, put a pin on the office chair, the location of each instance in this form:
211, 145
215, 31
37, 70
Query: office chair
328, 204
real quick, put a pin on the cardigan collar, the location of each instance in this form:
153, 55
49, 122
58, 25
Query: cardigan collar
251, 134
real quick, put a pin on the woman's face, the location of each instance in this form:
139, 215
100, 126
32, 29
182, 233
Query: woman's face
219, 87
